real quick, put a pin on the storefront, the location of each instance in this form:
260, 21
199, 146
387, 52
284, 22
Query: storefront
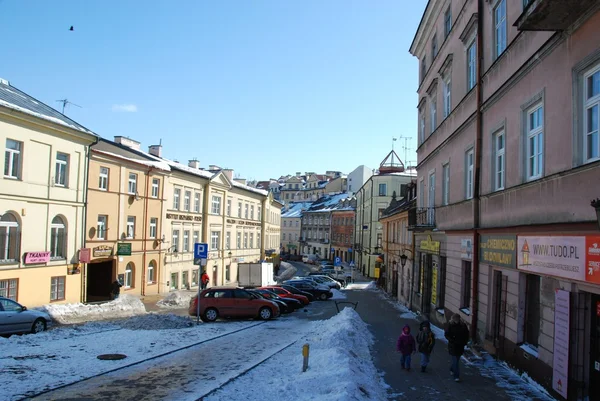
429, 277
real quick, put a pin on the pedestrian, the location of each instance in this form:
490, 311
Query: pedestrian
457, 334
426, 342
115, 289
204, 279
406, 346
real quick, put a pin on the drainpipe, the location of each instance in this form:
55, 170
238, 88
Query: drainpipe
362, 224
477, 178
370, 227
83, 295
162, 219
144, 233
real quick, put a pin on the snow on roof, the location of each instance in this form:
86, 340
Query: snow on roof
296, 209
328, 203
248, 188
157, 164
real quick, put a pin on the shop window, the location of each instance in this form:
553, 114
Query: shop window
532, 310
466, 286
442, 284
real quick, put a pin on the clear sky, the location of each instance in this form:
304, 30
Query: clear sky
266, 87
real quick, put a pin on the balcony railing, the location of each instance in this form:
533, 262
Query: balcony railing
552, 15
421, 218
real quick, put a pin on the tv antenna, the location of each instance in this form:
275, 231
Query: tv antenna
405, 147
65, 102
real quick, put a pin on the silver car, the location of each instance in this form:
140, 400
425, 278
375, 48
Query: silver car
16, 318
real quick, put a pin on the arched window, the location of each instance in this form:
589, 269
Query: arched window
10, 238
152, 272
58, 238
129, 271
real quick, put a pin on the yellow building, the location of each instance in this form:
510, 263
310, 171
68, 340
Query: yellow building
42, 200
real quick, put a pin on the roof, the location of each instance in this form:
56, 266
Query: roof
296, 209
15, 99
328, 203
160, 165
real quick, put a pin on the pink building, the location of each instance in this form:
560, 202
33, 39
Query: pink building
508, 162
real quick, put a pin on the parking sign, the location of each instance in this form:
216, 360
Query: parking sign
200, 250
337, 261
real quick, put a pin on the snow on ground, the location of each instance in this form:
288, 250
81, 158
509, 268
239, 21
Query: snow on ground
340, 367
337, 294
177, 299
288, 272
371, 285
124, 306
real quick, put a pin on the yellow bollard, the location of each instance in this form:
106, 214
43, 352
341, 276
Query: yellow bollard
305, 352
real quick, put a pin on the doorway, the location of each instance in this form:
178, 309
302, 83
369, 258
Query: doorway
427, 264
499, 310
594, 390
100, 276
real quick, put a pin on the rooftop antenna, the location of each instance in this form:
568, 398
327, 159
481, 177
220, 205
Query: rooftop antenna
65, 102
405, 147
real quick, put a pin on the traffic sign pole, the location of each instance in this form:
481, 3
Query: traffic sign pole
200, 254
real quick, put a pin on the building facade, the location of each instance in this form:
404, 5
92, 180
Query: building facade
291, 227
342, 229
514, 146
42, 200
357, 178
316, 226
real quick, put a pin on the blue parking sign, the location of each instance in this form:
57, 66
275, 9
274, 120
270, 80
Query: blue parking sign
200, 250
337, 261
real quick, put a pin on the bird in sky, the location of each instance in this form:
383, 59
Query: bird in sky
71, 28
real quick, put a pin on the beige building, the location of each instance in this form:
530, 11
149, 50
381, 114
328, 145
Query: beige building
42, 200
291, 226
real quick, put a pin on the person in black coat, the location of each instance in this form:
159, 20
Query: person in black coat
115, 289
457, 334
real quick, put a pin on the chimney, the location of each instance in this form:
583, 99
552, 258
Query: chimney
298, 173
130, 143
240, 180
194, 164
213, 167
155, 150
229, 173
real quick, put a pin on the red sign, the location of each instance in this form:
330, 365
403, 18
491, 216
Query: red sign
37, 257
592, 259
85, 255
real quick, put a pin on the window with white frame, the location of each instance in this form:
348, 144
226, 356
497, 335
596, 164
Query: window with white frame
186, 240
62, 169
591, 90
197, 202
151, 276
246, 211
10, 240
535, 142
238, 240
259, 214
215, 207
258, 240
175, 238
448, 21
471, 65
469, 174
155, 185
12, 159
228, 207
499, 160
101, 227
295, 236
128, 275
433, 111
283, 236
382, 189
251, 212
132, 183
195, 236
57, 288
421, 197
187, 200
252, 240
500, 27
130, 227
445, 184
8, 288
245, 240
240, 210
176, 196
153, 224
103, 179
228, 240
58, 238
447, 94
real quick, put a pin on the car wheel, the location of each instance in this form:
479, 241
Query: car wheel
210, 315
265, 313
323, 297
38, 326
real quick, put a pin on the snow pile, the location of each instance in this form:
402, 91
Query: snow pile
371, 285
124, 306
177, 299
155, 322
337, 294
287, 274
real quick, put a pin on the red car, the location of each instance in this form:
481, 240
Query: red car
283, 293
218, 302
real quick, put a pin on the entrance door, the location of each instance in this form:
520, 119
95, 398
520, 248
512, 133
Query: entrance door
499, 310
595, 350
426, 294
99, 279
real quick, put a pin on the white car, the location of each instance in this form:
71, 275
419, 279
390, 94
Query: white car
16, 318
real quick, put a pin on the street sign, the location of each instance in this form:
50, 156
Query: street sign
350, 250
200, 250
337, 261
352, 263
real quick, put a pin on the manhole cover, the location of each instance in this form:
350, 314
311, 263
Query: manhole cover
111, 357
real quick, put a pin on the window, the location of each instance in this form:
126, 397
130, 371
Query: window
297, 223
592, 115
238, 241
58, 239
57, 288
62, 169
447, 94
130, 226
176, 195
382, 189
423, 68
448, 21
228, 240
469, 172
128, 275
101, 229
186, 201
216, 205
8, 289
421, 125
240, 210
246, 211
442, 282
228, 207
466, 285
251, 212
214, 240
184, 279
132, 186
535, 142
283, 236
195, 277
245, 240
532, 310
445, 184
151, 274
195, 236
155, 185
252, 240
258, 240
500, 27
103, 179
499, 161
434, 46
259, 214
186, 240
471, 66
153, 223
433, 111
175, 245
197, 202
12, 159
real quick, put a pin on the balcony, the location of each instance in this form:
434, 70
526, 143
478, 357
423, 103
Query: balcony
421, 218
552, 15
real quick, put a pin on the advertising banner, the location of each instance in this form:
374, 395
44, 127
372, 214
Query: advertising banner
560, 368
553, 256
592, 259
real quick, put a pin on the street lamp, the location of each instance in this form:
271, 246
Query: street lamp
229, 254
596, 205
403, 259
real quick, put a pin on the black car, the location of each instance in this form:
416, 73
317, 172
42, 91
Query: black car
297, 291
283, 307
270, 295
309, 286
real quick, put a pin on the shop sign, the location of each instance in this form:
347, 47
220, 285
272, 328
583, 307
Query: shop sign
37, 257
85, 255
560, 365
173, 216
102, 251
592, 259
553, 256
466, 248
428, 245
434, 281
124, 249
498, 250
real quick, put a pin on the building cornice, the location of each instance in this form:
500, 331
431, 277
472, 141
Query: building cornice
425, 25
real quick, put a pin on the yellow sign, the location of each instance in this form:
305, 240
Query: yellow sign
428, 245
421, 277
434, 280
377, 272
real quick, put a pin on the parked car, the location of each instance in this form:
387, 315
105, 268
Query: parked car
319, 280
284, 293
291, 303
16, 318
283, 307
231, 302
318, 291
333, 283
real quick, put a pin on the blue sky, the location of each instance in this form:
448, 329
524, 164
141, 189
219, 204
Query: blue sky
266, 87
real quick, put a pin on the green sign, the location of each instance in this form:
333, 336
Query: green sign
498, 250
124, 249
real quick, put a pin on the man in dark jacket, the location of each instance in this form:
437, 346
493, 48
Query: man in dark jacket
426, 342
457, 334
115, 289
